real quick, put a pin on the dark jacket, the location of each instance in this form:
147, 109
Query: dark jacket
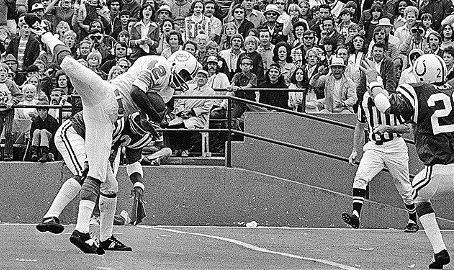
50, 124
278, 98
387, 73
439, 9
244, 28
278, 33
32, 50
257, 65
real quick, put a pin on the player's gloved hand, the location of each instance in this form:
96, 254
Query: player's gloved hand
352, 157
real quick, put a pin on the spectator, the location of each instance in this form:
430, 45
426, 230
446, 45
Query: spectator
197, 23
243, 80
122, 25
144, 34
399, 12
123, 37
202, 42
217, 79
84, 49
274, 80
281, 56
434, 41
275, 28
11, 62
62, 13
229, 31
369, 25
357, 56
366, 15
386, 24
408, 75
345, 21
89, 12
180, 8
265, 48
313, 61
114, 72
175, 41
416, 40
250, 47
427, 20
30, 98
57, 97
213, 50
297, 100
115, 8
42, 132
38, 9
64, 84
242, 24
164, 13
384, 66
60, 29
10, 95
94, 60
191, 47
120, 50
439, 9
254, 16
410, 15
324, 11
70, 38
391, 50
448, 58
447, 36
25, 48
124, 63
191, 113
340, 94
216, 24
328, 27
231, 56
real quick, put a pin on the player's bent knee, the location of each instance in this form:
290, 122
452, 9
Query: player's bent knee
424, 208
90, 189
134, 168
360, 183
60, 52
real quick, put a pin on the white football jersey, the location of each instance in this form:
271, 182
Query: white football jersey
149, 73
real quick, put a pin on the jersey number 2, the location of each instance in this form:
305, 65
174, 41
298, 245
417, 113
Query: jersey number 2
158, 72
440, 113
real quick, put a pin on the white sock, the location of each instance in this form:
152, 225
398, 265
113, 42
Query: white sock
50, 40
83, 218
68, 191
107, 208
432, 230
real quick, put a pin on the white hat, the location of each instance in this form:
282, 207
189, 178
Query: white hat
336, 61
384, 22
203, 72
164, 8
37, 6
272, 8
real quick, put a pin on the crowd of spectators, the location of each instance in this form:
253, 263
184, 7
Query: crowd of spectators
313, 47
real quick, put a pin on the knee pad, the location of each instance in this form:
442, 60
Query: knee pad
424, 208
360, 183
134, 168
60, 52
90, 189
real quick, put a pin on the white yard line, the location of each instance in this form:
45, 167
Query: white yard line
258, 249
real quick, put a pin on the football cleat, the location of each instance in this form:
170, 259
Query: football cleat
351, 220
114, 244
441, 258
51, 224
86, 242
138, 209
411, 227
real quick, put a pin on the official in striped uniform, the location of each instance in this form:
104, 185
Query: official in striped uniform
385, 148
428, 105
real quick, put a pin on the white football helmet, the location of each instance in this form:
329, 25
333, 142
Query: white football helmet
183, 60
430, 68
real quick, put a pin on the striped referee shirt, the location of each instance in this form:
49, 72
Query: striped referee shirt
369, 114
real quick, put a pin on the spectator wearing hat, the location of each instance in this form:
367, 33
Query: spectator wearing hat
38, 9
439, 9
10, 95
163, 13
274, 80
63, 12
275, 28
11, 62
42, 132
434, 41
191, 113
340, 91
217, 79
231, 56
386, 23
408, 75
25, 48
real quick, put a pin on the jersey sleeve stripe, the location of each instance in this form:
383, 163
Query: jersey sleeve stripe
409, 93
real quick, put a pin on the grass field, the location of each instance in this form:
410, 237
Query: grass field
162, 247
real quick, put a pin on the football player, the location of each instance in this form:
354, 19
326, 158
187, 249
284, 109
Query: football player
428, 105
147, 85
69, 140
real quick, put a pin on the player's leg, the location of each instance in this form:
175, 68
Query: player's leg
370, 165
71, 146
107, 208
397, 163
432, 181
135, 174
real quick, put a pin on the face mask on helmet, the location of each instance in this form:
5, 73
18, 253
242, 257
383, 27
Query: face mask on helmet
430, 68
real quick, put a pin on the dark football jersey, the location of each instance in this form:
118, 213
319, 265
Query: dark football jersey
431, 109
